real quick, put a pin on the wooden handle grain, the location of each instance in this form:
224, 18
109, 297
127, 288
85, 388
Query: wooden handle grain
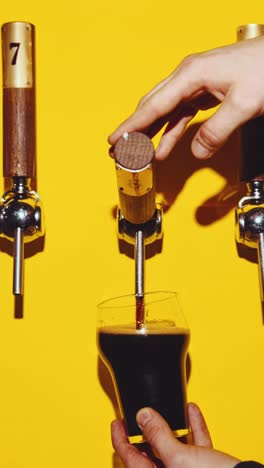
19, 133
134, 151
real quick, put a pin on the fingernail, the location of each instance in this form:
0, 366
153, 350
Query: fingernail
143, 416
200, 151
111, 151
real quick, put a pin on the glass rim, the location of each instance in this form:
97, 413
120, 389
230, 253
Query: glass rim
167, 295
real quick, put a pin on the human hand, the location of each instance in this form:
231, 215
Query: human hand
232, 76
169, 450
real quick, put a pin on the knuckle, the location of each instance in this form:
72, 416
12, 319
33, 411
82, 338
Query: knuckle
151, 105
208, 137
191, 60
130, 455
154, 108
191, 68
180, 457
153, 432
244, 103
142, 101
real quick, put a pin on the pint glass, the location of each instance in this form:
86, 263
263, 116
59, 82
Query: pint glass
147, 365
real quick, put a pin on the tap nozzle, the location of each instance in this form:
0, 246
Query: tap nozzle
250, 223
21, 220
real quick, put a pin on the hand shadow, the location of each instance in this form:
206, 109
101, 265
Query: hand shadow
173, 173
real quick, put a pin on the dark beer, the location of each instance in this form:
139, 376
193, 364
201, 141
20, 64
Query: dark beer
148, 369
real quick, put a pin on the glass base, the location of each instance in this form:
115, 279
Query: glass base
140, 439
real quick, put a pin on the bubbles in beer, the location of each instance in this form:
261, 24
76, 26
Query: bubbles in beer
140, 312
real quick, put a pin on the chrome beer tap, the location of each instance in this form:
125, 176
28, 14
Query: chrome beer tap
21, 218
139, 217
250, 210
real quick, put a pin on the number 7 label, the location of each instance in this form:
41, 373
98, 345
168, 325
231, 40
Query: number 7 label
15, 45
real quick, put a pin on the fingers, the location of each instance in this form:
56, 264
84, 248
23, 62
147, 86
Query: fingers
160, 102
174, 131
158, 434
129, 454
232, 113
199, 428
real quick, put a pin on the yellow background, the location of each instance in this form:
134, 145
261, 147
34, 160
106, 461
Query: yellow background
94, 61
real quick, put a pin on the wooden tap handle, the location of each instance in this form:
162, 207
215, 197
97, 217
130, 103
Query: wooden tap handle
134, 151
252, 132
133, 154
19, 133
252, 150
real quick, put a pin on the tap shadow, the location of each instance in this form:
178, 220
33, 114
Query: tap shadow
107, 385
173, 173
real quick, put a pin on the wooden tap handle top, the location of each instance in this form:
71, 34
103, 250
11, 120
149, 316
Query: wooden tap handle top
134, 151
19, 132
251, 132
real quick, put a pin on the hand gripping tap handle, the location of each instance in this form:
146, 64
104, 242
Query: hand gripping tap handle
250, 211
18, 136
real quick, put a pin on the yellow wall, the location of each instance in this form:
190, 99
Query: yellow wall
94, 61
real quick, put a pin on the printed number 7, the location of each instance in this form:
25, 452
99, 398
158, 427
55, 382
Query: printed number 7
15, 45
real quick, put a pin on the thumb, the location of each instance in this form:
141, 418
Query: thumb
214, 132
158, 434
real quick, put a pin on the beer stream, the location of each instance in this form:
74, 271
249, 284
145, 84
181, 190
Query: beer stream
140, 313
139, 261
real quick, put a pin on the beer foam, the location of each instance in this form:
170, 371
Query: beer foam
164, 327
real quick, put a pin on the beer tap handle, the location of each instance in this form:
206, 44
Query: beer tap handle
18, 270
134, 153
252, 150
18, 100
20, 214
251, 133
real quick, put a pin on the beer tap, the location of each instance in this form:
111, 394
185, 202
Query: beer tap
21, 218
250, 210
139, 217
